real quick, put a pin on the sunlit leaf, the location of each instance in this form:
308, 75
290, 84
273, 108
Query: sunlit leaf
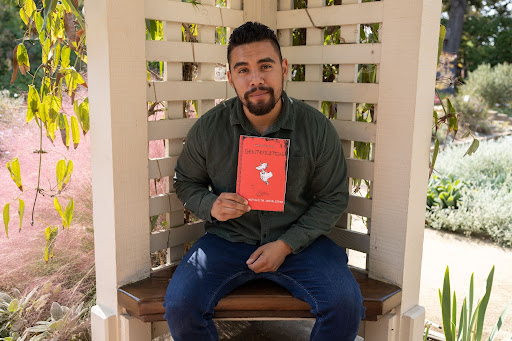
58, 208
32, 102
51, 129
49, 7
64, 129
56, 57
6, 219
14, 169
69, 212
23, 62
83, 115
50, 236
46, 50
46, 87
29, 7
21, 211
64, 57
75, 132
60, 172
67, 175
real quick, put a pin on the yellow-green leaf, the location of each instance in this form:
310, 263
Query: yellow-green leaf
61, 172
6, 219
67, 175
46, 50
51, 129
69, 212
50, 236
27, 10
32, 102
64, 56
59, 210
75, 132
46, 87
23, 62
64, 129
14, 169
82, 113
56, 57
21, 211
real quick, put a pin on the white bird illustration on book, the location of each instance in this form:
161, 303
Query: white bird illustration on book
264, 175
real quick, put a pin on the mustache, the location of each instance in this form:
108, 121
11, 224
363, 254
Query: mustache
259, 88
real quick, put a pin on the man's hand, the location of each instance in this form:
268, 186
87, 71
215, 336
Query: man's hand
269, 257
229, 206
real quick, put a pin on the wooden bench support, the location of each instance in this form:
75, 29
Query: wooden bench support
257, 299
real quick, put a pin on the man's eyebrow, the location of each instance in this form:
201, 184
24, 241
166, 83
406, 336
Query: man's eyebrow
264, 60
238, 64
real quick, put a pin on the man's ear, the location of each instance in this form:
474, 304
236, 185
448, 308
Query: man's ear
284, 65
228, 73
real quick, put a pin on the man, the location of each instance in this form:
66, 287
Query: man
241, 244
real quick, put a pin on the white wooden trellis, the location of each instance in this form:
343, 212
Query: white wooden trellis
120, 131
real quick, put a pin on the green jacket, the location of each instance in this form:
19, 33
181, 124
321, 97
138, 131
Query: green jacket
316, 188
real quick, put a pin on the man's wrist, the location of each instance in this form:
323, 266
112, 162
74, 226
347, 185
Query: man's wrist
285, 246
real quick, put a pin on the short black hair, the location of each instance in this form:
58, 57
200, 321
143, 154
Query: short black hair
252, 32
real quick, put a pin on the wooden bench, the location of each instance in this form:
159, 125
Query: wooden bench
258, 299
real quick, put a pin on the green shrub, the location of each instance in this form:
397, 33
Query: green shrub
493, 85
485, 191
443, 192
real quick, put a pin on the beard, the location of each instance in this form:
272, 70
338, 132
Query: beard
260, 108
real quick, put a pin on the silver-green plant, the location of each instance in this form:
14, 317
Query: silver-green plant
64, 324
61, 325
471, 321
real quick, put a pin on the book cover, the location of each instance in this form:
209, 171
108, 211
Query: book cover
262, 170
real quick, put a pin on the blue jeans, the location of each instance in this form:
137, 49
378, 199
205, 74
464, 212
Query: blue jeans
214, 266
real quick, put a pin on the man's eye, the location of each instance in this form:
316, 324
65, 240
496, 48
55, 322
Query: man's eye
266, 67
242, 71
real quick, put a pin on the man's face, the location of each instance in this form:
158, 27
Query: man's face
257, 76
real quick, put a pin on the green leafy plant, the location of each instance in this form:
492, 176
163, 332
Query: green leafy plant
471, 317
443, 192
63, 323
58, 28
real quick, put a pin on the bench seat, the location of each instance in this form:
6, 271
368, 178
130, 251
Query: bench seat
257, 299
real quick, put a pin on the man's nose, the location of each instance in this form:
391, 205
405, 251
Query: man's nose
256, 79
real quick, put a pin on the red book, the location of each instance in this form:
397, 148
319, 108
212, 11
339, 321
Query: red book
262, 169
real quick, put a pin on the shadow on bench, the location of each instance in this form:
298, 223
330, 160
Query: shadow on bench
257, 299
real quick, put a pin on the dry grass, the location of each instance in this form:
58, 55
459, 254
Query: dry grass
68, 278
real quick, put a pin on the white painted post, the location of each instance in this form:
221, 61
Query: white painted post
407, 78
116, 75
